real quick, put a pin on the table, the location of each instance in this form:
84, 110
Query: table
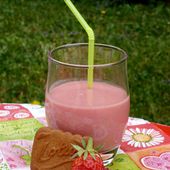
145, 145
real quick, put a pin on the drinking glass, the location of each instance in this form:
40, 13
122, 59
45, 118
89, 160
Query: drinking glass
101, 111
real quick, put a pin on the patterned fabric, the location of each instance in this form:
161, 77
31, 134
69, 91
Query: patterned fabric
145, 145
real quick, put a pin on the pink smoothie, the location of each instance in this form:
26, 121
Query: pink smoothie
100, 112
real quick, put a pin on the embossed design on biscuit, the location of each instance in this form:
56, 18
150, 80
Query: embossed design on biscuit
52, 149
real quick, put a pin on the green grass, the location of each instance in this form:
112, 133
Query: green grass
28, 29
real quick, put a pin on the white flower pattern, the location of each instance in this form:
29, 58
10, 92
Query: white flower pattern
142, 138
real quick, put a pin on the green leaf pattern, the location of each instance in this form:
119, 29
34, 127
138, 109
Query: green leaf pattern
121, 161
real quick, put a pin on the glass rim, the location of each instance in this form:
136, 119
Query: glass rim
50, 55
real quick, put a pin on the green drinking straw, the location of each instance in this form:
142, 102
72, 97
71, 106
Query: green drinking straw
91, 39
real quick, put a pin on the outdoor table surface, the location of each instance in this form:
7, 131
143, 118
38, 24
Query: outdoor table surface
145, 145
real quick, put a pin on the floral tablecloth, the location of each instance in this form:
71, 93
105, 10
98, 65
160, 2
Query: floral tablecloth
145, 145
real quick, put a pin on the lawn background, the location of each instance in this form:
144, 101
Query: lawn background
28, 29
